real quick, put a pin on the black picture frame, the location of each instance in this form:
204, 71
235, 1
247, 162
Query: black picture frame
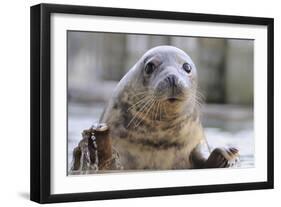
41, 102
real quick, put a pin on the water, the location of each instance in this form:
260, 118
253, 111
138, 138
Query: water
220, 132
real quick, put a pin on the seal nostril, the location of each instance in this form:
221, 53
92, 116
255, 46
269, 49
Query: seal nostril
172, 80
169, 80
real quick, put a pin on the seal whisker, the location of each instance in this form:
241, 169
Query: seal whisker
165, 111
140, 119
138, 112
143, 100
155, 110
200, 94
140, 93
158, 110
196, 99
146, 90
138, 115
154, 114
195, 103
146, 113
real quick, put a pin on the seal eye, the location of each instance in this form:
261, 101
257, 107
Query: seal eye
149, 68
187, 67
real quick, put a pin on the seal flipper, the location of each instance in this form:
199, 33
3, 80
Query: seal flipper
219, 158
222, 158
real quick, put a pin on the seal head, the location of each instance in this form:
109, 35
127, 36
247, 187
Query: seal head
169, 75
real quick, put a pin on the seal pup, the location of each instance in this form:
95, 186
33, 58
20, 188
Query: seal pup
154, 115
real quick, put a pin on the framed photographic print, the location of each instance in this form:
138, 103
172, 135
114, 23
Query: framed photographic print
133, 103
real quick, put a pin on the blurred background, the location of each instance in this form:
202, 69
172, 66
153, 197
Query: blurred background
97, 61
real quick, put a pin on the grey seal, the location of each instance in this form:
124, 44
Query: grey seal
154, 115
